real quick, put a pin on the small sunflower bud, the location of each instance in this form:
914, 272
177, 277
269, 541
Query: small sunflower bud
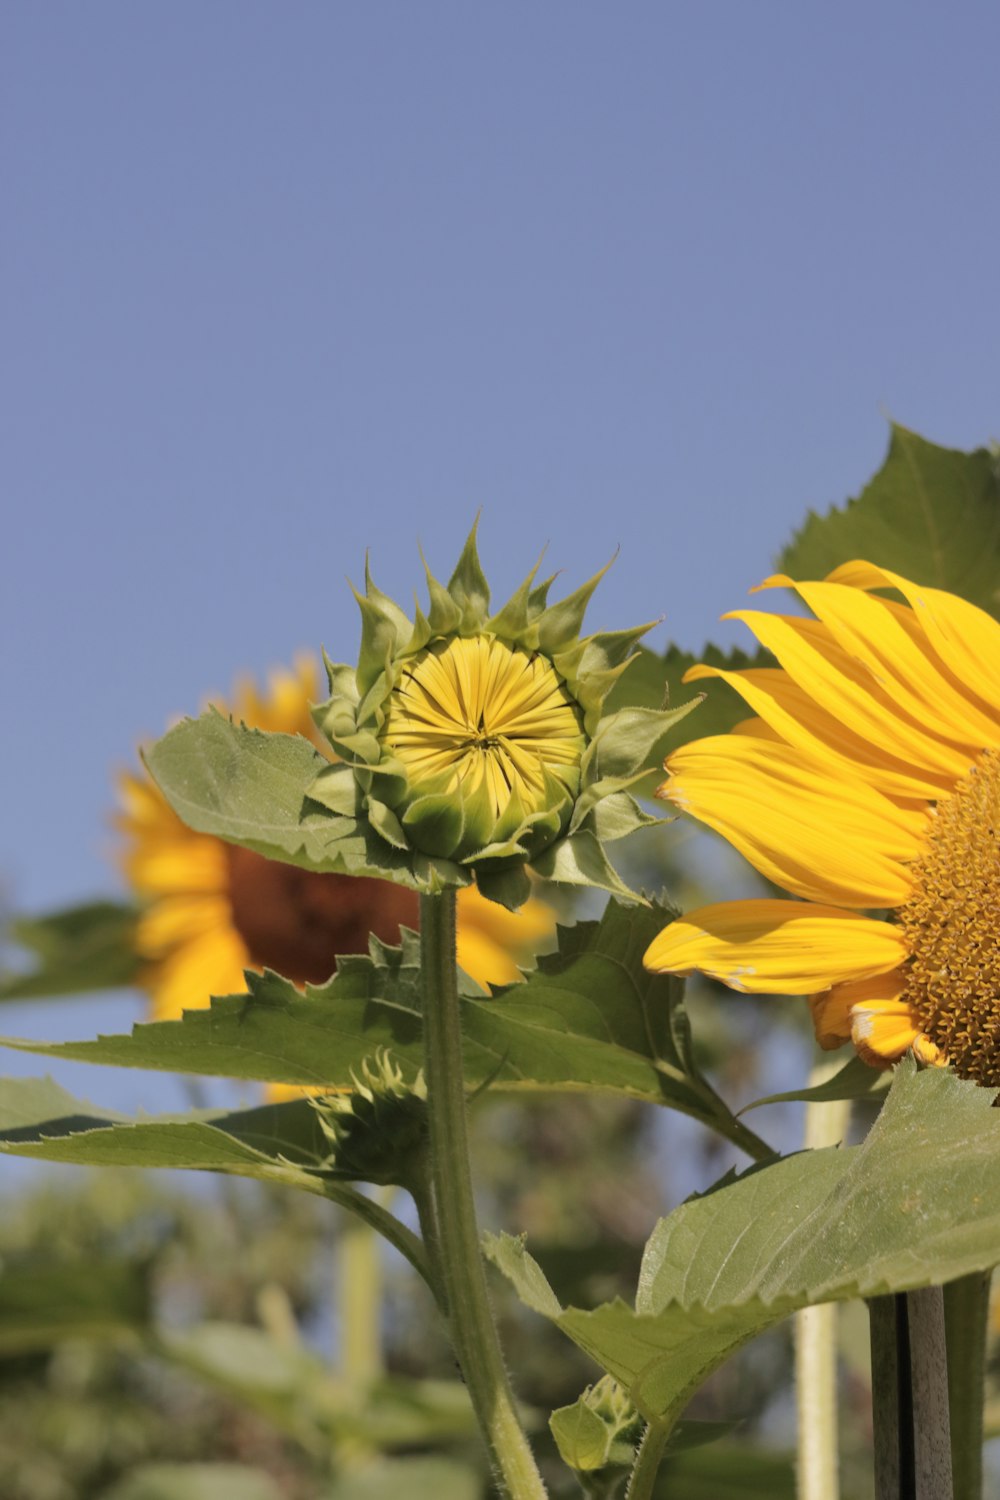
475, 744
376, 1131
598, 1429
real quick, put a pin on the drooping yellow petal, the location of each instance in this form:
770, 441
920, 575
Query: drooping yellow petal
831, 1009
836, 842
882, 1030
965, 637
776, 947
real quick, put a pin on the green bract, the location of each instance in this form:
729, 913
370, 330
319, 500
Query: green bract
473, 745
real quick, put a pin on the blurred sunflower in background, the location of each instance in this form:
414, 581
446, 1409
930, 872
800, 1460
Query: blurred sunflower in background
211, 910
868, 779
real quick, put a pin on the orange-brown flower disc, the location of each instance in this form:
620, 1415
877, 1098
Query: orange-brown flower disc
952, 926
299, 922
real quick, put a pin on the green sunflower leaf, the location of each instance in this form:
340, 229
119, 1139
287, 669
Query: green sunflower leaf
930, 513
279, 1143
254, 789
40, 1119
590, 1017
77, 950
855, 1080
917, 1204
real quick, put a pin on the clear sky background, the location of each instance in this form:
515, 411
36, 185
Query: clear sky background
281, 282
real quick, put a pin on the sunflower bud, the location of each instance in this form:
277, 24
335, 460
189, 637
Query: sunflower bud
475, 743
598, 1429
377, 1131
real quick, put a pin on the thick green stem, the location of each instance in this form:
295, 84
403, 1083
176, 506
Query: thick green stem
966, 1306
456, 1239
647, 1460
816, 1334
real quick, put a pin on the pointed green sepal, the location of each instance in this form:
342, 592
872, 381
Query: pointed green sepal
561, 622
468, 586
436, 823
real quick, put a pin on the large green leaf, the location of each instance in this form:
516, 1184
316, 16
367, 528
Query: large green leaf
918, 1203
855, 1080
249, 788
589, 1018
281, 1143
80, 949
274, 1141
930, 513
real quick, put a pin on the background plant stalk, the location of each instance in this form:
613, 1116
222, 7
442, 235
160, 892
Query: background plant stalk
816, 1330
454, 1240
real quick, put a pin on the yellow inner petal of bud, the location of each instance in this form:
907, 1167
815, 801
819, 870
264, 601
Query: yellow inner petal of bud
478, 711
952, 926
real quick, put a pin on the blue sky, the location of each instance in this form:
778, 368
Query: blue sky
280, 283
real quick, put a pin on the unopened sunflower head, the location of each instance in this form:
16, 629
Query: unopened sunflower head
476, 742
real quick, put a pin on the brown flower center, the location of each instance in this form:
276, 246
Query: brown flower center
952, 924
299, 922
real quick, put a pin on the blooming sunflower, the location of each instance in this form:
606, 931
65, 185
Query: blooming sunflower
868, 780
212, 910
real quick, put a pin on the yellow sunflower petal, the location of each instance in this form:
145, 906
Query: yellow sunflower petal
776, 947
177, 919
831, 1009
142, 802
175, 866
209, 964
882, 1030
873, 635
811, 657
965, 637
792, 714
284, 707
836, 842
491, 940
